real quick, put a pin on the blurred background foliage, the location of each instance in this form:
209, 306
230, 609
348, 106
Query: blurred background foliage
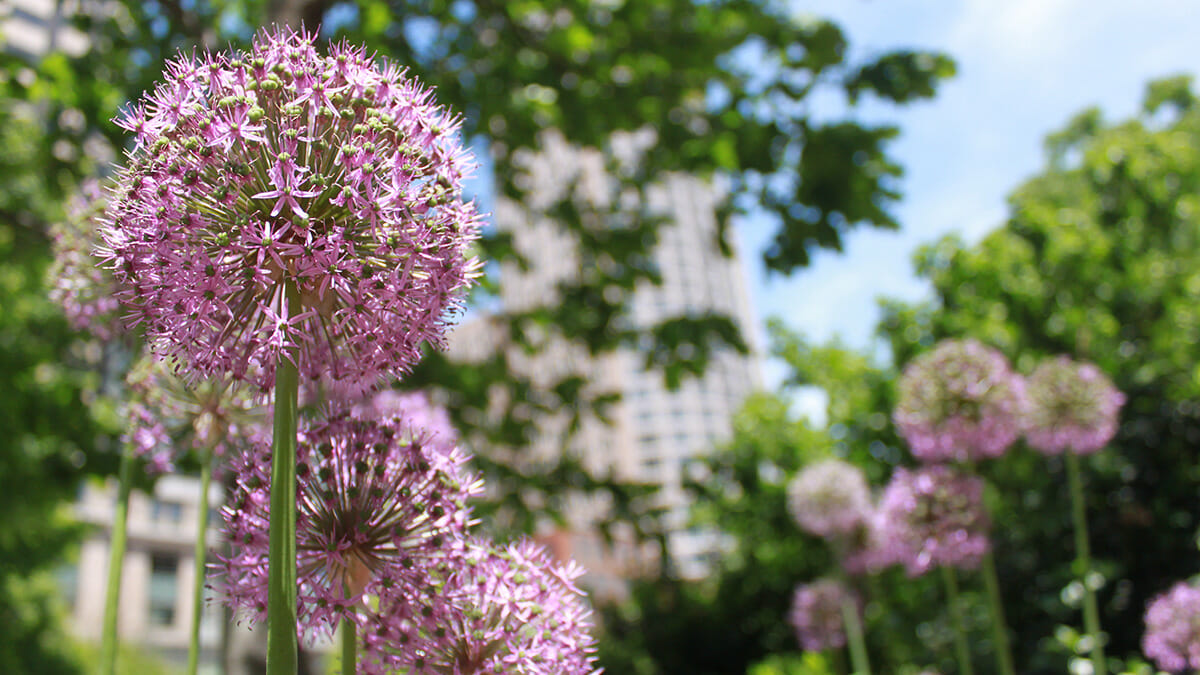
1098, 259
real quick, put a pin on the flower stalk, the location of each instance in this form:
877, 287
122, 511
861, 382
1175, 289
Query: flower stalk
961, 651
854, 639
281, 589
201, 554
349, 647
116, 562
1083, 562
1004, 660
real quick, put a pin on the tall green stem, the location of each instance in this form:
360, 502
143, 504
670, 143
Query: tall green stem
1083, 561
1004, 660
854, 638
281, 577
349, 647
116, 562
961, 651
200, 558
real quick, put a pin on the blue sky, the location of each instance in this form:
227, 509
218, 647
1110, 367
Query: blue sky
1024, 68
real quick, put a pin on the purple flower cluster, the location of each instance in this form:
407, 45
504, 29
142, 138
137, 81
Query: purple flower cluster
83, 288
959, 402
816, 614
934, 516
1172, 638
383, 541
511, 609
168, 415
380, 503
284, 203
830, 498
1073, 406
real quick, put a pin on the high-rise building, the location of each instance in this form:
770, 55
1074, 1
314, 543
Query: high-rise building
654, 431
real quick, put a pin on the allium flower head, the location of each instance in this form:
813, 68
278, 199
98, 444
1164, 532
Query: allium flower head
284, 202
168, 415
829, 498
934, 516
516, 611
378, 506
816, 614
960, 402
1172, 638
83, 288
1072, 406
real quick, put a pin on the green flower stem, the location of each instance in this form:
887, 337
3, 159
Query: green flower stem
1004, 660
1083, 561
116, 562
854, 638
961, 651
349, 647
281, 578
200, 558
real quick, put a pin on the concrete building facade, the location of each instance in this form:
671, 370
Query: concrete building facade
655, 432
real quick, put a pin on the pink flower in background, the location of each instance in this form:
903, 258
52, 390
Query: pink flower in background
516, 611
1072, 406
169, 416
1172, 638
934, 516
959, 402
829, 498
380, 505
816, 614
78, 282
253, 173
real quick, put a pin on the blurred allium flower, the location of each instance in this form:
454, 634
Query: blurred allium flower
866, 550
168, 415
255, 173
816, 614
1172, 638
830, 498
934, 516
380, 504
1072, 406
516, 611
78, 283
959, 402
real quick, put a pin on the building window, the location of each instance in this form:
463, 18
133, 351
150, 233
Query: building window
164, 581
68, 584
166, 512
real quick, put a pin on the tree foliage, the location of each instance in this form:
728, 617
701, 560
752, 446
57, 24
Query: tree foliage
1098, 260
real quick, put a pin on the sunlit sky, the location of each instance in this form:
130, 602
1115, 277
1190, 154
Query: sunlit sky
1024, 68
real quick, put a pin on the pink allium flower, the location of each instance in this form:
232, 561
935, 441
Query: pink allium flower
865, 550
934, 516
168, 416
83, 288
517, 612
1072, 406
829, 498
959, 402
380, 503
1172, 638
816, 614
254, 173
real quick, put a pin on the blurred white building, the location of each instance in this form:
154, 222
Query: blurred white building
34, 28
155, 610
654, 431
